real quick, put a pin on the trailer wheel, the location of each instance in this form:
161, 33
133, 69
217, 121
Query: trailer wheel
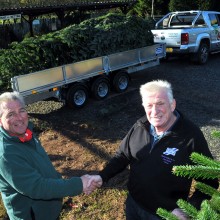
201, 57
77, 96
121, 81
100, 88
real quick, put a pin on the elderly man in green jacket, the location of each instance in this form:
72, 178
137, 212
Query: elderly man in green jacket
30, 186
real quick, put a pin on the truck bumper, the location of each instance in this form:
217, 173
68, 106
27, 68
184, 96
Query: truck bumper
175, 50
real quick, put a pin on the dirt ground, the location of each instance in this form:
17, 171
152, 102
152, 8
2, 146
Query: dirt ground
82, 141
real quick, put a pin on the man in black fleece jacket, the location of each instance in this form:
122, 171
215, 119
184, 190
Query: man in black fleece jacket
155, 143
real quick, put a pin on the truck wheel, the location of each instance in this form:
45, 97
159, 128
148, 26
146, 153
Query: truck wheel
100, 88
203, 54
121, 81
77, 96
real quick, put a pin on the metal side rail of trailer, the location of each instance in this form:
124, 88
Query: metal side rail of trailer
95, 75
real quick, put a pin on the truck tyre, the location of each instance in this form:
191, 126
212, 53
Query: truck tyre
77, 96
202, 54
100, 88
121, 81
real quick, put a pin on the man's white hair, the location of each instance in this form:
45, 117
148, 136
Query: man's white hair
155, 86
10, 96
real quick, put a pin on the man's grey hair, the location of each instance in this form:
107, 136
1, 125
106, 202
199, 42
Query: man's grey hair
10, 96
155, 86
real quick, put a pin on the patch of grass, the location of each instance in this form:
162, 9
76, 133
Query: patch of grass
103, 204
215, 134
3, 213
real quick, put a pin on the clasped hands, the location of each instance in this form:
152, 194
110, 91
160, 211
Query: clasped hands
91, 182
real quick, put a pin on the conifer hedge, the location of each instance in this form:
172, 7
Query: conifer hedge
91, 38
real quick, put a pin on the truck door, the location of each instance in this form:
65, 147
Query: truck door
215, 32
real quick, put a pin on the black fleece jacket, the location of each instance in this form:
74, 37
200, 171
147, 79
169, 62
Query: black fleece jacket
151, 182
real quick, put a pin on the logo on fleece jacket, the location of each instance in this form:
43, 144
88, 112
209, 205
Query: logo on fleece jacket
169, 151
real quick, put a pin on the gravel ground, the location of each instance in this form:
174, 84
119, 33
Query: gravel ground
196, 89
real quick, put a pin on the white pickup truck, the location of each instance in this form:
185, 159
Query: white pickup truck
195, 33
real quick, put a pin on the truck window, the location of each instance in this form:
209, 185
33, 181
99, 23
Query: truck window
218, 16
214, 20
182, 19
200, 21
163, 23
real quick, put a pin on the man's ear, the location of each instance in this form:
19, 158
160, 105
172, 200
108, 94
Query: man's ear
173, 105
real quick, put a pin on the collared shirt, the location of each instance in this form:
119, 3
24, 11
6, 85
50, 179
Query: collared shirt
155, 137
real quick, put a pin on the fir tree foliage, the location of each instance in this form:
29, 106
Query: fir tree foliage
203, 160
215, 202
204, 168
208, 190
91, 38
164, 214
187, 208
207, 212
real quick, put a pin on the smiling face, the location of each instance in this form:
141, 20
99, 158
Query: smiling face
159, 110
14, 118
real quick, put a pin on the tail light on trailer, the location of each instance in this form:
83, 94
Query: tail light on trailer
184, 38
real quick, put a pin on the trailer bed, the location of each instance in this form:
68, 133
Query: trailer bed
46, 80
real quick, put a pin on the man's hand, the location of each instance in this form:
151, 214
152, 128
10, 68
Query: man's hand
95, 181
180, 214
90, 183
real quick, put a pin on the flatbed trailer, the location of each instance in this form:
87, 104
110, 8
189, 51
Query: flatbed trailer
73, 83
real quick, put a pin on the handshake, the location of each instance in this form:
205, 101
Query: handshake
91, 182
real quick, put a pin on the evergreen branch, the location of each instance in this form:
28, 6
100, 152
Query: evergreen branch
203, 160
205, 168
197, 171
189, 209
206, 212
215, 202
164, 214
206, 189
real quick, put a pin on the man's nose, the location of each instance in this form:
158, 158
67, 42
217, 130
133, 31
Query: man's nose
154, 109
19, 116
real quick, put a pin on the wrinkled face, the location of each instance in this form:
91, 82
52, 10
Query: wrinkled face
158, 109
14, 118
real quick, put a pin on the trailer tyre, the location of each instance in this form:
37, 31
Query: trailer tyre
121, 81
77, 96
100, 88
